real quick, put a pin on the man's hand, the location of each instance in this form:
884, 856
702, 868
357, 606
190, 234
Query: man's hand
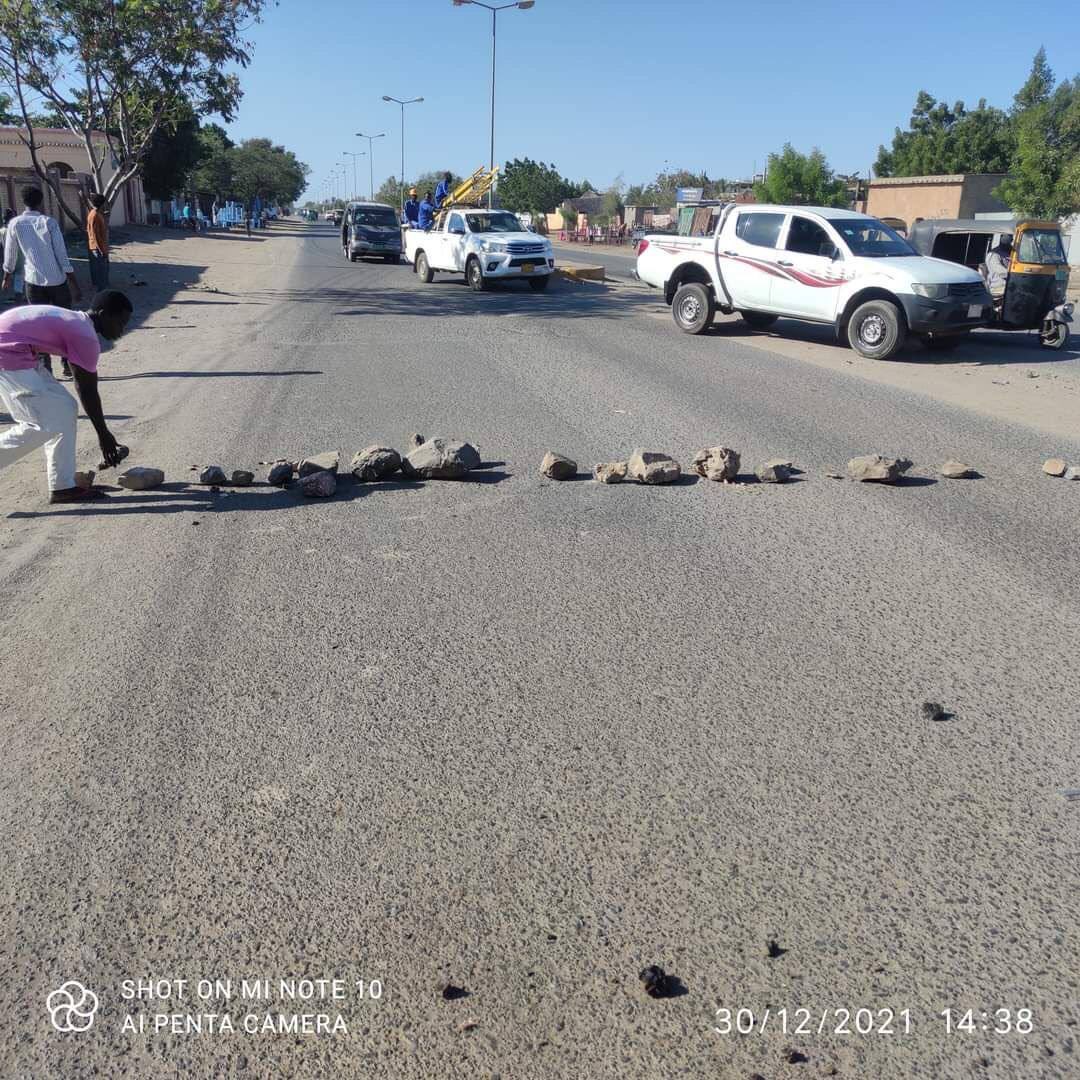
112, 453
6, 283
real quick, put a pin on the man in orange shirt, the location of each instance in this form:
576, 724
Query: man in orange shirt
97, 233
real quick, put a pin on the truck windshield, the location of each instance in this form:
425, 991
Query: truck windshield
869, 237
1040, 246
375, 216
480, 223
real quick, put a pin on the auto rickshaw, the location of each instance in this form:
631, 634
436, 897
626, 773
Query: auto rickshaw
1038, 278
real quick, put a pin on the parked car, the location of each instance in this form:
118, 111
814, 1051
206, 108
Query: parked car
484, 245
371, 228
818, 265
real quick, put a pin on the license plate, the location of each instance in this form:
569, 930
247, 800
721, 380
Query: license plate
527, 268
974, 311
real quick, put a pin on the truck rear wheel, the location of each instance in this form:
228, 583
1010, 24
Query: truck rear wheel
876, 330
474, 274
423, 269
758, 320
693, 308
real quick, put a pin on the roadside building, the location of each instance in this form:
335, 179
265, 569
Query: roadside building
65, 156
909, 198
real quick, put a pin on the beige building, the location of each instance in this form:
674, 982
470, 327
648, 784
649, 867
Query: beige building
64, 154
912, 197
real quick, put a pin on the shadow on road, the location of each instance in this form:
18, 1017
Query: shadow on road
205, 375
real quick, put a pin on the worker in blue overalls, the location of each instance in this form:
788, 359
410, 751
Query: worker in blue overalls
427, 212
442, 191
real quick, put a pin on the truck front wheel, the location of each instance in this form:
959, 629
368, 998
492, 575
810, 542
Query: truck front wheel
693, 308
876, 330
474, 275
423, 268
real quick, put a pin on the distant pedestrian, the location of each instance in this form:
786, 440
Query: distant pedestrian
97, 235
42, 412
50, 278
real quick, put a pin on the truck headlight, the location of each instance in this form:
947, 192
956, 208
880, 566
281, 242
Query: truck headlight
931, 292
496, 246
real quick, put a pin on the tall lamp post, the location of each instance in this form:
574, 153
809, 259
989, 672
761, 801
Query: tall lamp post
349, 153
371, 158
398, 101
494, 9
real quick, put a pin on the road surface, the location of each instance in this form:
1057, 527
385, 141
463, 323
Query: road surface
499, 745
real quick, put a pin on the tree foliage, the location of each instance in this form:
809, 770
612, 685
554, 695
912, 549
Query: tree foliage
801, 180
944, 139
173, 153
534, 187
259, 168
122, 68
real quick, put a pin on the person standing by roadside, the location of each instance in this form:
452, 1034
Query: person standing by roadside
17, 286
97, 235
50, 278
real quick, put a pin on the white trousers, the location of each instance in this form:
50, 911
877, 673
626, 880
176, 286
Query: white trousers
43, 414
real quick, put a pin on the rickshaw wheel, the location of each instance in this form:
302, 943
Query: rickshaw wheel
1057, 338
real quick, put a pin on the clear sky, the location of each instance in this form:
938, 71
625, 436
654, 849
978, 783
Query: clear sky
603, 88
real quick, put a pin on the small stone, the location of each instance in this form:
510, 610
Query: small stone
416, 440
932, 710
719, 463
450, 992
652, 467
655, 980
835, 475
874, 468
241, 477
441, 459
1054, 466
375, 463
320, 484
213, 474
281, 472
794, 1057
140, 477
774, 950
558, 467
327, 462
85, 480
776, 471
468, 1025
1071, 473
957, 470
610, 472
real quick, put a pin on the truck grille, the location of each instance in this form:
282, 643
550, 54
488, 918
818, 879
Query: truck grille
525, 249
975, 290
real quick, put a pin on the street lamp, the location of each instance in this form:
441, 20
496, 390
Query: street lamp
371, 158
349, 153
524, 5
411, 101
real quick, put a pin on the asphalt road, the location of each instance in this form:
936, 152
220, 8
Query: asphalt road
526, 738
619, 262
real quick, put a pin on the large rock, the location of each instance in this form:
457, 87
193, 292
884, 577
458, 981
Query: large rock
241, 477
652, 467
327, 462
958, 470
375, 463
441, 459
140, 477
873, 468
213, 474
558, 467
717, 463
1054, 466
610, 472
320, 484
281, 472
777, 471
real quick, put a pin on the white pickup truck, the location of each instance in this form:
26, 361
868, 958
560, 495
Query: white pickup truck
484, 245
818, 265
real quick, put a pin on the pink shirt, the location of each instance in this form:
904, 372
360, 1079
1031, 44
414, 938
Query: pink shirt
41, 328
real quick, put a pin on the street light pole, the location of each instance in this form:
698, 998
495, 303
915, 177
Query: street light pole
524, 5
356, 187
411, 101
371, 156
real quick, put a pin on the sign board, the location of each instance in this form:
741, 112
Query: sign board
689, 194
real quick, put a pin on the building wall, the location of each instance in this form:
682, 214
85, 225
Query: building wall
977, 197
912, 197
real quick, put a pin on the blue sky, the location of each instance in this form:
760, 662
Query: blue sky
602, 87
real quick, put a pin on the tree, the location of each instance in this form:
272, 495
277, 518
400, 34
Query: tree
944, 139
174, 151
271, 173
1038, 87
533, 187
800, 179
213, 171
389, 191
112, 67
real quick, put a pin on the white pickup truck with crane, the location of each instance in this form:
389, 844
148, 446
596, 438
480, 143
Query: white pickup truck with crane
817, 265
484, 245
